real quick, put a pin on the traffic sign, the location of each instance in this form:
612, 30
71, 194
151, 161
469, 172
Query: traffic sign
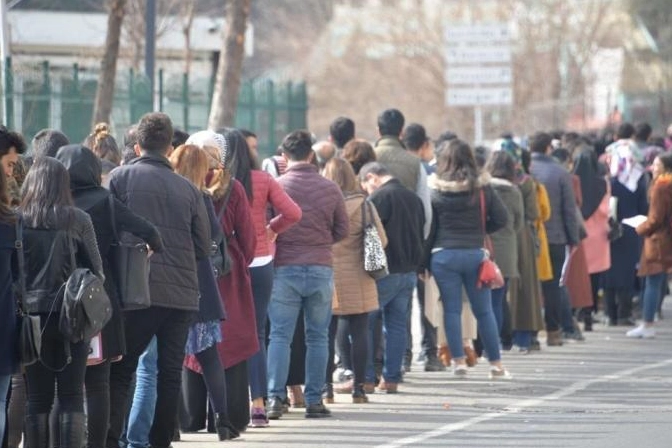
479, 75
478, 34
478, 55
482, 96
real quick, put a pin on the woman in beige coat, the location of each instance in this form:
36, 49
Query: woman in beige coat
355, 291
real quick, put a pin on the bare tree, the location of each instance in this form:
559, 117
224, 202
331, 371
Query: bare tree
102, 107
229, 70
187, 12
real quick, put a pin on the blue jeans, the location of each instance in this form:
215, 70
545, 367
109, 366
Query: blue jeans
498, 297
653, 292
523, 338
452, 269
295, 288
394, 295
262, 283
4, 388
144, 400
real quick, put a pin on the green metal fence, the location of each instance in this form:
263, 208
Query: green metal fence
38, 97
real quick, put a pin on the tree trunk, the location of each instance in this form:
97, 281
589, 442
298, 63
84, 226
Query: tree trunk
102, 108
227, 84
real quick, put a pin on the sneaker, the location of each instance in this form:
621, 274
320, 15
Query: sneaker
434, 365
460, 371
497, 373
343, 388
317, 410
573, 336
642, 332
258, 418
274, 408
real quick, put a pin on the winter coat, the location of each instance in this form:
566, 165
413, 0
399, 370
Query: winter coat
355, 291
150, 188
8, 274
85, 170
626, 251
598, 249
544, 267
266, 191
657, 229
504, 240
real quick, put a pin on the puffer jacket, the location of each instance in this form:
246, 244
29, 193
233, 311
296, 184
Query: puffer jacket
355, 290
457, 213
150, 188
47, 261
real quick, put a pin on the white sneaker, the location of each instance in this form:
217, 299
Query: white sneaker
499, 374
460, 371
642, 332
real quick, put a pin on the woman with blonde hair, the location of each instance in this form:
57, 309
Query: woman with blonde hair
103, 144
355, 291
192, 162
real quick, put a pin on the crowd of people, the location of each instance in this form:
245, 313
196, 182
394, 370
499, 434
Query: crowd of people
259, 293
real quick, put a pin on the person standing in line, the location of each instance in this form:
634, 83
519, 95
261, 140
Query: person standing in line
502, 168
561, 228
85, 170
9, 362
150, 188
341, 131
355, 292
401, 213
467, 208
53, 230
656, 258
304, 276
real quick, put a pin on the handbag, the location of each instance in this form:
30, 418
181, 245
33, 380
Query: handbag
489, 274
30, 334
375, 260
219, 249
130, 269
86, 307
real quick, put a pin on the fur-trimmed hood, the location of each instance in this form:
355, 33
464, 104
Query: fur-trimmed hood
499, 182
454, 186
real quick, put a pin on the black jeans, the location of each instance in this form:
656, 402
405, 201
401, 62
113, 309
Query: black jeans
348, 334
170, 327
66, 380
97, 383
551, 289
428, 342
618, 303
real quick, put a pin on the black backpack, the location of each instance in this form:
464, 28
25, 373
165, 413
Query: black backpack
86, 307
219, 250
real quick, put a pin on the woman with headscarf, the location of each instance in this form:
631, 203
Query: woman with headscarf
628, 187
231, 190
595, 193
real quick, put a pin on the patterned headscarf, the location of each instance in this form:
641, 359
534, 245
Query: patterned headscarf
210, 139
625, 162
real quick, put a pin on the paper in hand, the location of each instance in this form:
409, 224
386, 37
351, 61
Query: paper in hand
634, 221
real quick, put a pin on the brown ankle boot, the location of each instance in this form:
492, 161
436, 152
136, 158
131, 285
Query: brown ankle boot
471, 358
444, 355
554, 338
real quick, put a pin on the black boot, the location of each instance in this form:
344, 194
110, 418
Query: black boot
72, 427
358, 394
225, 430
37, 431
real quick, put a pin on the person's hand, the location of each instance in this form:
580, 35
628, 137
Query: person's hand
150, 252
272, 236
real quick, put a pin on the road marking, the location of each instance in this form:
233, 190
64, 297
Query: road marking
521, 405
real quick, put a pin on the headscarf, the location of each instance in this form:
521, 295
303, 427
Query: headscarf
593, 184
625, 159
215, 145
515, 151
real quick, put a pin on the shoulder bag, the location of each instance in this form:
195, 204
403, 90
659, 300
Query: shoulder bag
375, 260
30, 334
489, 274
219, 250
130, 269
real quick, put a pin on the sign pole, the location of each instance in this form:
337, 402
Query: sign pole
478, 125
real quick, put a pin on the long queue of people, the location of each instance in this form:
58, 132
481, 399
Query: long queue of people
262, 292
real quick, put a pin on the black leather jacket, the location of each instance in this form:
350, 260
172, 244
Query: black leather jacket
47, 263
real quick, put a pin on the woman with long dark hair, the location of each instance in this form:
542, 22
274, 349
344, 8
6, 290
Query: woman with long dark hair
53, 228
231, 199
466, 209
8, 273
85, 171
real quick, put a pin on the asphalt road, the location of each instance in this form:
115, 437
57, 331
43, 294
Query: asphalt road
606, 392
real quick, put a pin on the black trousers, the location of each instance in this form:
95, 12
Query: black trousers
97, 383
551, 289
170, 327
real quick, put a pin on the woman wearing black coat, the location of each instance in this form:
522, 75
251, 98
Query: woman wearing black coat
85, 182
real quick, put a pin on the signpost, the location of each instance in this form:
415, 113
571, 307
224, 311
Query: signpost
478, 55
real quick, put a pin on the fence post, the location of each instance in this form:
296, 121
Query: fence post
185, 101
9, 93
271, 112
160, 90
130, 95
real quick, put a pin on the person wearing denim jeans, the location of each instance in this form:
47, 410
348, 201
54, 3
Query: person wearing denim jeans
466, 209
144, 399
656, 259
402, 214
304, 275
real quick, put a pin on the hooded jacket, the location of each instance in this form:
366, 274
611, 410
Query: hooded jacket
149, 187
85, 171
457, 213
